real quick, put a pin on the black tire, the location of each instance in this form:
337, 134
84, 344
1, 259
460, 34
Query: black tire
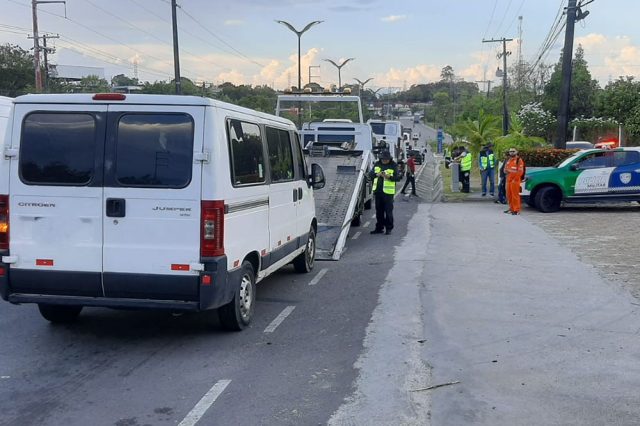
59, 314
367, 204
531, 202
548, 199
306, 260
237, 314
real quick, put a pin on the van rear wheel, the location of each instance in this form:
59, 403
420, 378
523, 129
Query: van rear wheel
237, 314
304, 262
59, 314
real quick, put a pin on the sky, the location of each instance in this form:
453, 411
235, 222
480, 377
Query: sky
397, 43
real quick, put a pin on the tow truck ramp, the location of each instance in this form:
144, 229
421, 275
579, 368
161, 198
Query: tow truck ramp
337, 203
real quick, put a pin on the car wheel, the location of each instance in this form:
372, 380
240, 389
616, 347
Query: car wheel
237, 314
531, 202
305, 261
548, 199
59, 314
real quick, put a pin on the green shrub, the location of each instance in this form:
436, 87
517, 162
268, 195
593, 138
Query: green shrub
544, 157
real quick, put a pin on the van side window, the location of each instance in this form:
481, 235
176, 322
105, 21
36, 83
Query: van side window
247, 153
58, 149
280, 155
154, 150
302, 167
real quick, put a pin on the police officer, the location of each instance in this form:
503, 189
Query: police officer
384, 176
465, 159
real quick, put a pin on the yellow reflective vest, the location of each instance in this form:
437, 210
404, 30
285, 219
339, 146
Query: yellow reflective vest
389, 184
465, 163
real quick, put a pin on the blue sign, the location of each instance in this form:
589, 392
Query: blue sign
440, 139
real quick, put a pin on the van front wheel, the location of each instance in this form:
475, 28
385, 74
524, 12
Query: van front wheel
59, 314
304, 262
237, 314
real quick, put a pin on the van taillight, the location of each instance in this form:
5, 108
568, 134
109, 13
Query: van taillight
4, 222
212, 229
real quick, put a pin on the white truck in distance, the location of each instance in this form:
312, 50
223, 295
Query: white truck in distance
343, 147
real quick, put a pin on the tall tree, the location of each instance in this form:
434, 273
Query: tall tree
16, 70
584, 88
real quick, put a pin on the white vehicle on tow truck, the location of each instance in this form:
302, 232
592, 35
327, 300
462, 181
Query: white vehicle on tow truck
343, 147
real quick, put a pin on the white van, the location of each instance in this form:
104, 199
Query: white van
391, 133
145, 201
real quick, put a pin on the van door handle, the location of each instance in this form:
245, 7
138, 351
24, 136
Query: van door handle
299, 193
295, 195
116, 207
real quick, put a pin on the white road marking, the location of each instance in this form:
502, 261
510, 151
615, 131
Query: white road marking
366, 224
205, 403
318, 276
276, 322
357, 234
374, 216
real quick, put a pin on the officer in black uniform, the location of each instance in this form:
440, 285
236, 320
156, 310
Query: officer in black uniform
384, 176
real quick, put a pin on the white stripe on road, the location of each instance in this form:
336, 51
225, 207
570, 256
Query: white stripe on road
357, 234
374, 216
318, 276
276, 322
366, 224
205, 403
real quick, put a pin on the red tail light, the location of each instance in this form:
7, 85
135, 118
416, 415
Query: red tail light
212, 229
109, 97
4, 222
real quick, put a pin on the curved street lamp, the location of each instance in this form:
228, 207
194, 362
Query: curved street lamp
362, 83
299, 34
340, 69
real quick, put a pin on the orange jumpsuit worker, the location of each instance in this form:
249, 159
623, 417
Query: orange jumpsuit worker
514, 169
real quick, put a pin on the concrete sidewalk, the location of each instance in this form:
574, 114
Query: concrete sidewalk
534, 336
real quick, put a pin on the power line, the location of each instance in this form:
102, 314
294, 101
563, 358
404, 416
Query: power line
506, 11
513, 21
217, 37
495, 4
136, 28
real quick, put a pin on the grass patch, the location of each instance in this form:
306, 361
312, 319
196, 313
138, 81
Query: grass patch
450, 196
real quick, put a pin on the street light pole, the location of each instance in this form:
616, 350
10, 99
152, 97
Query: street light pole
340, 69
362, 83
299, 34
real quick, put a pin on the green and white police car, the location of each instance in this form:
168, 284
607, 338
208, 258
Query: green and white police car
588, 176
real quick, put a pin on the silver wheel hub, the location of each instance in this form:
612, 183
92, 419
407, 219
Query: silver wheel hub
246, 297
311, 247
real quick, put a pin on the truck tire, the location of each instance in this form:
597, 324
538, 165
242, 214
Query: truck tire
548, 199
304, 262
237, 314
59, 314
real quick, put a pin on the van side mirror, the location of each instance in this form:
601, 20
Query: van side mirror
316, 179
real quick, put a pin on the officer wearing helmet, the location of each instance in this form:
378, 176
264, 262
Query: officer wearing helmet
384, 176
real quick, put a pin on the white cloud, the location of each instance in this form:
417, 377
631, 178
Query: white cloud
610, 57
413, 75
394, 18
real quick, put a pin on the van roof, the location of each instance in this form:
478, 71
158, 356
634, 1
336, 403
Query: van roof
137, 99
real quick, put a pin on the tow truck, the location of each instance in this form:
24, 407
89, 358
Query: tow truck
344, 147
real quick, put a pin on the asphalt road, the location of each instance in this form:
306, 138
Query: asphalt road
127, 368
427, 133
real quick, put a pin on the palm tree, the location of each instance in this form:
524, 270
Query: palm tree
480, 132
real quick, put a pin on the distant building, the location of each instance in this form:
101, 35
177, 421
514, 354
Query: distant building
126, 89
74, 73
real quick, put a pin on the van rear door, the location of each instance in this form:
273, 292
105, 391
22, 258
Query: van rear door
56, 199
152, 202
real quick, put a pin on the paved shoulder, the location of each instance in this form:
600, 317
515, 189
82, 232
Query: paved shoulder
533, 335
390, 368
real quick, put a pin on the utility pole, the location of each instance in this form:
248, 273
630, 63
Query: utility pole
46, 51
176, 52
505, 81
488, 83
574, 14
36, 40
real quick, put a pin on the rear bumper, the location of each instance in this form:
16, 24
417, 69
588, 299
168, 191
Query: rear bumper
118, 290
